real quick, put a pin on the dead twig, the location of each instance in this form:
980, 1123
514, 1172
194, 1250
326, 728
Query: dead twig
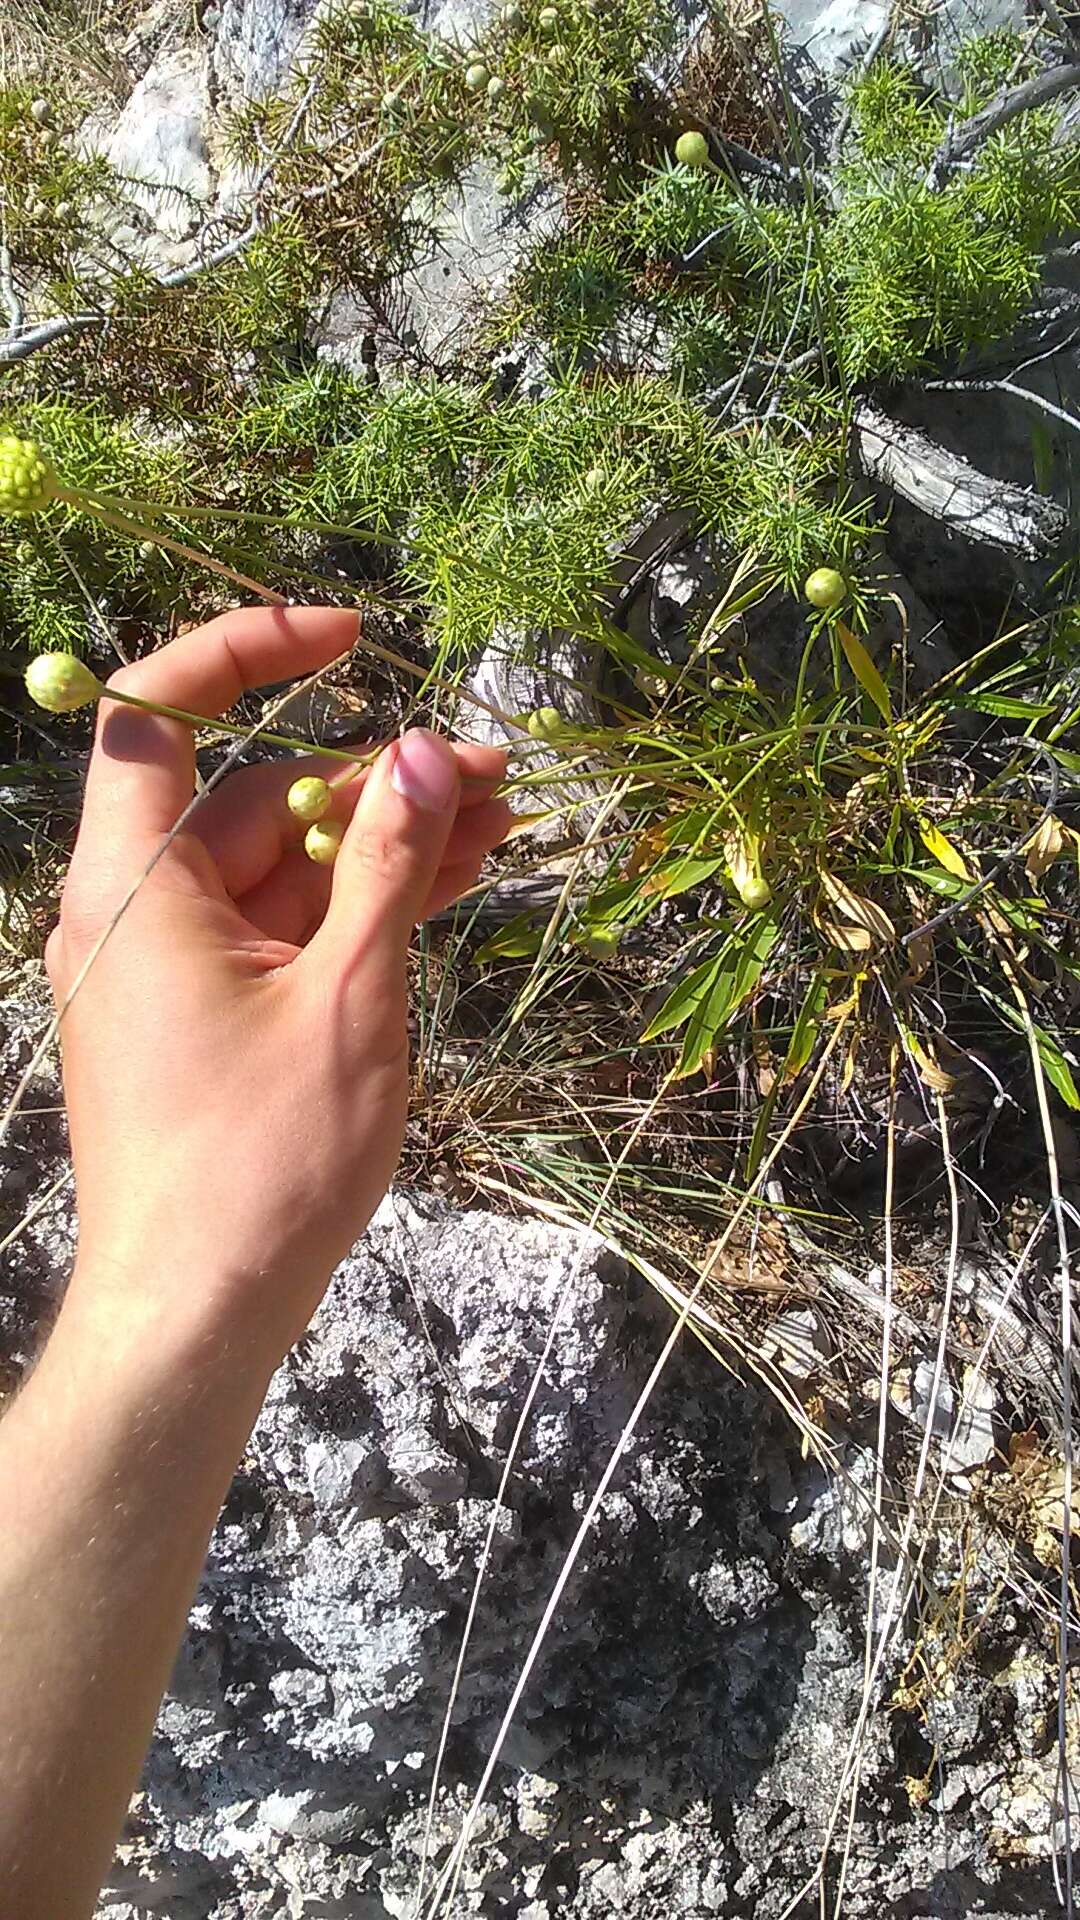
965, 137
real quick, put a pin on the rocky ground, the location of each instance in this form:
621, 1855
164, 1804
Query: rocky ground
680, 1747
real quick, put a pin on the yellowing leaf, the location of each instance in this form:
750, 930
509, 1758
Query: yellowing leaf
934, 1076
857, 912
1043, 848
848, 939
920, 952
864, 670
943, 850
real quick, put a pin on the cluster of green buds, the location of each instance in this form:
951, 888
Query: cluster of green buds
545, 723
309, 800
27, 479
61, 682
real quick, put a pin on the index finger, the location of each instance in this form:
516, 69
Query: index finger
142, 770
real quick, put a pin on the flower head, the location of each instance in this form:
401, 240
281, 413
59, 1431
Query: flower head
60, 682
308, 799
27, 480
321, 842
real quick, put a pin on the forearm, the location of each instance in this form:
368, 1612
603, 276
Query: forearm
114, 1462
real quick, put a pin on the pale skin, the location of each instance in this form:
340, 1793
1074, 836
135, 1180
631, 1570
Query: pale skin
236, 1071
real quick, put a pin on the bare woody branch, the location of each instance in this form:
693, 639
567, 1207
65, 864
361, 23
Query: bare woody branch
965, 137
983, 508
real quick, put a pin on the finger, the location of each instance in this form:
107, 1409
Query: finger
393, 848
289, 900
450, 883
142, 770
246, 827
245, 824
481, 769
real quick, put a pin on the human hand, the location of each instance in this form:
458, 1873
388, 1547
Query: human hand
236, 1059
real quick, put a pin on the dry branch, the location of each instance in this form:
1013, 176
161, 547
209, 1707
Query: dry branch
965, 137
992, 512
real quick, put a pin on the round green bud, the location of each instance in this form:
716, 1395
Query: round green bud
63, 210
546, 723
548, 18
556, 54
511, 15
496, 87
692, 149
594, 479
48, 138
60, 682
27, 479
41, 113
601, 942
477, 77
754, 891
391, 101
308, 799
826, 589
322, 840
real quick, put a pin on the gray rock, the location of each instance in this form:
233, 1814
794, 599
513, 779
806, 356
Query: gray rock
158, 141
974, 1437
254, 43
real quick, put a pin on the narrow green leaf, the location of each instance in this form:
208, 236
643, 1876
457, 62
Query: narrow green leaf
686, 995
1054, 1064
680, 875
732, 987
515, 941
1003, 706
805, 1031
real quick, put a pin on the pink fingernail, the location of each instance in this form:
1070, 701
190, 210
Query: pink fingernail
425, 771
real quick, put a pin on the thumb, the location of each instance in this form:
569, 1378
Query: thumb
392, 850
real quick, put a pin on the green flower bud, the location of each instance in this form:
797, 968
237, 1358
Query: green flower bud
477, 77
496, 87
546, 723
594, 479
601, 942
41, 113
391, 101
549, 19
556, 54
308, 799
692, 150
510, 15
60, 682
321, 842
27, 480
826, 589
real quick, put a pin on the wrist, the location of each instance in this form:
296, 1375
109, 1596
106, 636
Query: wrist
160, 1334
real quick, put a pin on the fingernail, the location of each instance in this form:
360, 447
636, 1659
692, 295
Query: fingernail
425, 771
